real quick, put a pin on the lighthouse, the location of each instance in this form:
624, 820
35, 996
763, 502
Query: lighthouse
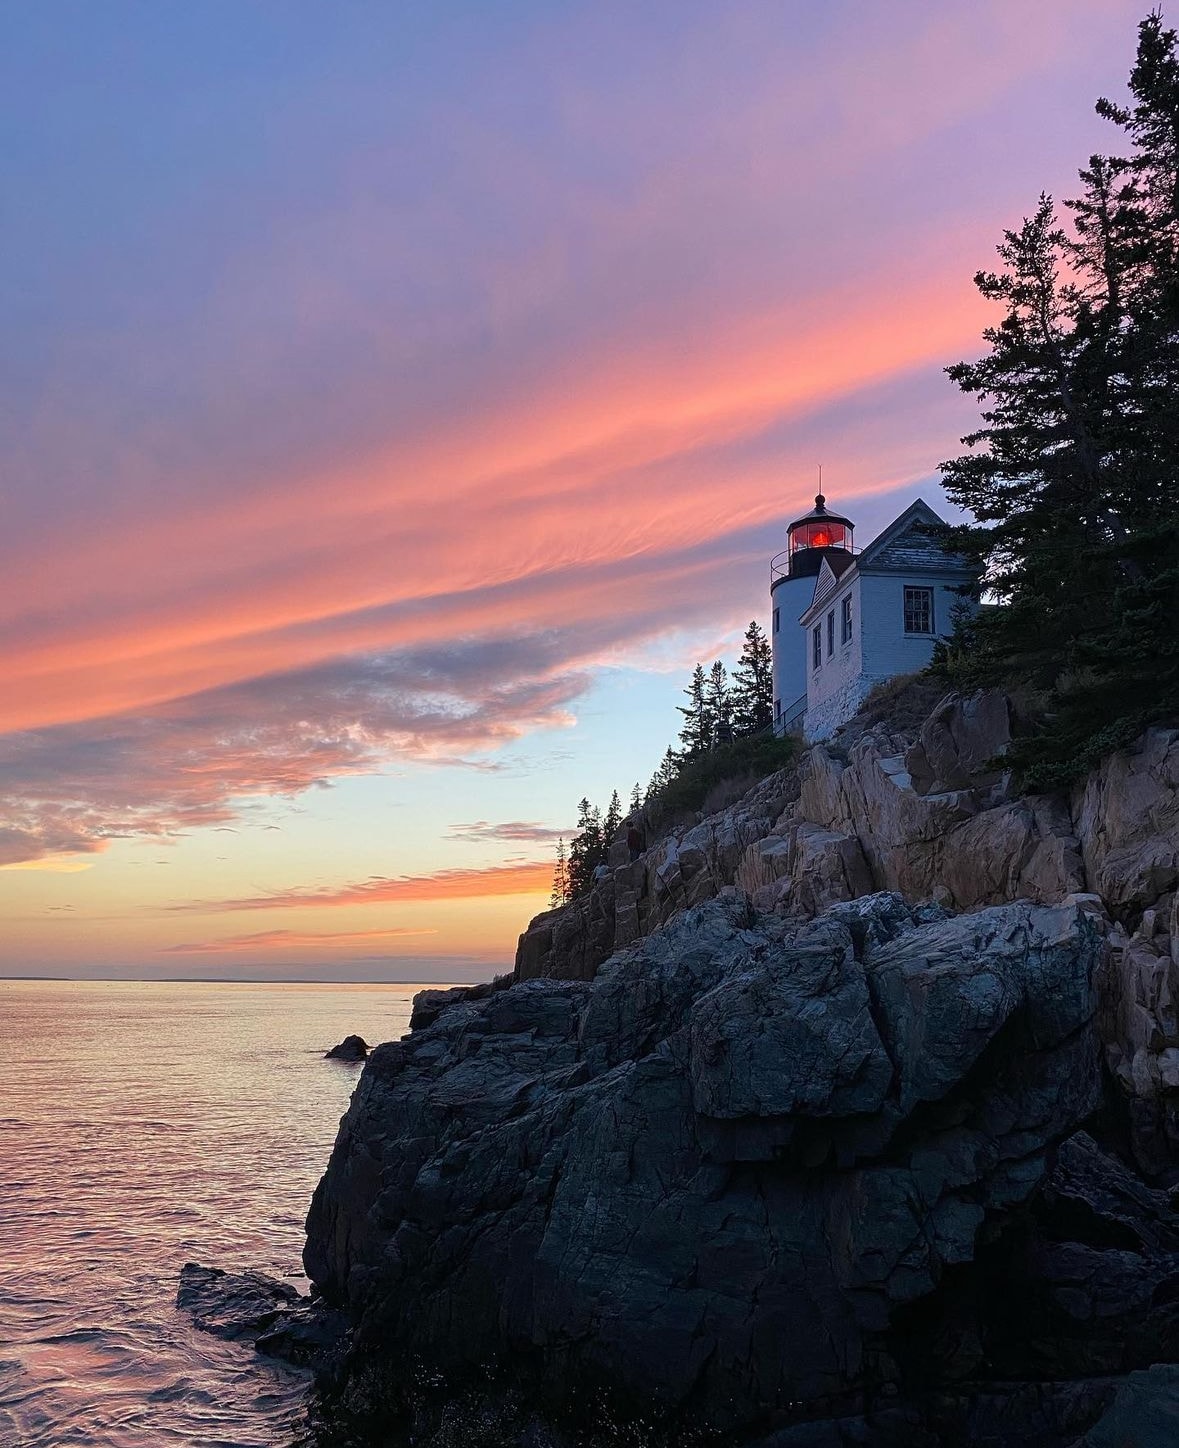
816, 536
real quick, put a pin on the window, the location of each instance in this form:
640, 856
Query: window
845, 621
777, 708
830, 633
918, 610
775, 620
816, 647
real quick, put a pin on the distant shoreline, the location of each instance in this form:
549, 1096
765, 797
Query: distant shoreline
218, 980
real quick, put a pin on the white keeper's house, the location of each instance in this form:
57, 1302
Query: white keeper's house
846, 619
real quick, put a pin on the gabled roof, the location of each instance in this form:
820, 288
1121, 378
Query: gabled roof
834, 566
905, 546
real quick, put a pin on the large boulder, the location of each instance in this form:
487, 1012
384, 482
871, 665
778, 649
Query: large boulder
720, 1170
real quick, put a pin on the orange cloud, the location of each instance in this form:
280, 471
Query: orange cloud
530, 877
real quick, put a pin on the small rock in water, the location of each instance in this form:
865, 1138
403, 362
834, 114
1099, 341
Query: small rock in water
232, 1305
280, 1321
351, 1048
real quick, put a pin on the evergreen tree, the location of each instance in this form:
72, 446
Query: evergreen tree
719, 706
612, 821
560, 892
1073, 476
586, 850
697, 731
752, 694
636, 798
669, 767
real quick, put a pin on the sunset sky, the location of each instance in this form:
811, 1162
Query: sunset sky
398, 399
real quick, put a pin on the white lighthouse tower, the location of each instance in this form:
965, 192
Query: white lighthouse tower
816, 536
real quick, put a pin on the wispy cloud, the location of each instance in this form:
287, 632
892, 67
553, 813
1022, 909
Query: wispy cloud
264, 940
195, 762
528, 877
509, 832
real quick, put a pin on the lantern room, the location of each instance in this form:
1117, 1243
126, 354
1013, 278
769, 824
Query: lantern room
811, 538
820, 529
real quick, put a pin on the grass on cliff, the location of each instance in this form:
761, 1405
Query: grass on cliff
715, 780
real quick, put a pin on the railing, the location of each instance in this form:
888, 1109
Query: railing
792, 717
780, 563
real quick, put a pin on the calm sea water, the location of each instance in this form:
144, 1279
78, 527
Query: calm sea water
141, 1126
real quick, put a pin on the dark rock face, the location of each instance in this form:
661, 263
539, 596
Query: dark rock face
723, 1170
351, 1048
1097, 1262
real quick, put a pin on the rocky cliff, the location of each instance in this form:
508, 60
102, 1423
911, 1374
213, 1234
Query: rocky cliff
919, 812
781, 1128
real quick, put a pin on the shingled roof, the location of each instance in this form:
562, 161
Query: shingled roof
906, 547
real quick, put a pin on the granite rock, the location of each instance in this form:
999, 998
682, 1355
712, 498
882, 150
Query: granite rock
720, 1169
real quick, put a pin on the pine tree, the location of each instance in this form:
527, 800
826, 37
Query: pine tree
560, 892
696, 734
669, 767
612, 821
719, 706
586, 850
752, 693
636, 798
1073, 475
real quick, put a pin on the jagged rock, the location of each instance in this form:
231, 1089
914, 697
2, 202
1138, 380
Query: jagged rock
690, 864
721, 1168
920, 812
428, 1005
954, 845
310, 1335
825, 866
351, 1048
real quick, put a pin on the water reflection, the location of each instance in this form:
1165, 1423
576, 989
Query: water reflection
142, 1126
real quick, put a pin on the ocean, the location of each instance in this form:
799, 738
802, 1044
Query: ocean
143, 1125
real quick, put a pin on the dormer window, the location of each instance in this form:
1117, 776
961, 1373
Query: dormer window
918, 610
